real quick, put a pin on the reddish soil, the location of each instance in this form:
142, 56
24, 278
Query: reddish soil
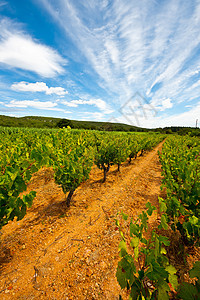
57, 252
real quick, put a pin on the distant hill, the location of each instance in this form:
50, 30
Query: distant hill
46, 122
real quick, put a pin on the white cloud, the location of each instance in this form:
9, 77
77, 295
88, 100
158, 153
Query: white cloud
38, 87
113, 51
96, 116
187, 118
32, 103
20, 50
167, 104
164, 104
99, 103
36, 104
140, 44
145, 46
68, 103
194, 86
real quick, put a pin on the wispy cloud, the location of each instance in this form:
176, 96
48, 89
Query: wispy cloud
187, 118
38, 87
135, 45
93, 116
117, 48
45, 105
99, 103
102, 105
3, 3
31, 103
20, 50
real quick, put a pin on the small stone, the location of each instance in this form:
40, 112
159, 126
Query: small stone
89, 272
87, 253
23, 246
103, 265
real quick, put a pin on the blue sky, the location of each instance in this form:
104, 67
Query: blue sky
135, 62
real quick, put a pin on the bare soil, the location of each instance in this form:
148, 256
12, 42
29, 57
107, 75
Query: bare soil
57, 252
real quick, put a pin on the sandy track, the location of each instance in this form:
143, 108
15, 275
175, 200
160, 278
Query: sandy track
60, 253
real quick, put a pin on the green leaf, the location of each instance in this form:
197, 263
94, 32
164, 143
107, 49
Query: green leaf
158, 272
124, 216
193, 220
117, 222
164, 240
28, 199
122, 248
173, 280
170, 269
163, 206
135, 244
150, 208
19, 184
172, 277
121, 233
136, 252
164, 222
135, 292
121, 277
126, 270
195, 271
163, 251
135, 241
141, 274
157, 247
187, 291
36, 155
134, 229
144, 241
163, 291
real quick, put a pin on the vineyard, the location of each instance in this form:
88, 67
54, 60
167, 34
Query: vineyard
180, 212
74, 158
70, 154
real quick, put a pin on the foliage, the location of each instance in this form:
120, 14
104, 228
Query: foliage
47, 122
72, 165
191, 291
104, 156
70, 152
180, 159
143, 269
121, 150
115, 148
65, 123
18, 162
146, 273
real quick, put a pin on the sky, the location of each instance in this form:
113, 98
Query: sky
135, 62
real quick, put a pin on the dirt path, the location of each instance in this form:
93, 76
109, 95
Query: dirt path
60, 253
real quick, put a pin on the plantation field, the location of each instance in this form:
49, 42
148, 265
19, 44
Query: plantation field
65, 247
